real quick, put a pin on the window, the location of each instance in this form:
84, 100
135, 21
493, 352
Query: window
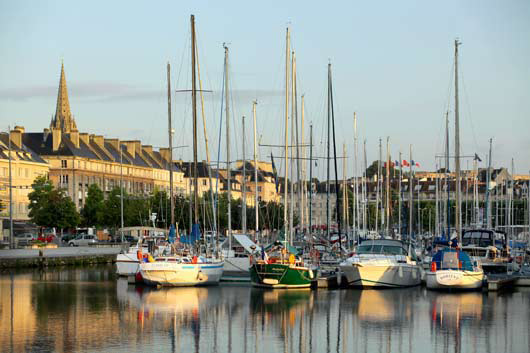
204, 182
259, 188
64, 163
64, 179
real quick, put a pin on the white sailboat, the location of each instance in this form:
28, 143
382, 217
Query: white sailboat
180, 270
452, 268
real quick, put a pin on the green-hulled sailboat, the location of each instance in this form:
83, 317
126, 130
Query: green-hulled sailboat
279, 267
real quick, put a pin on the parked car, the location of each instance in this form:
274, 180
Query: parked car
67, 237
83, 240
25, 238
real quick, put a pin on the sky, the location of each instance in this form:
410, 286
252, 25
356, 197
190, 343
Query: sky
392, 63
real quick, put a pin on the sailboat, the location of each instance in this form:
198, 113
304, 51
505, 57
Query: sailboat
452, 268
279, 267
180, 269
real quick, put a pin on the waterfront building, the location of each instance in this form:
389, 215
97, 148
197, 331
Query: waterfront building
26, 165
77, 160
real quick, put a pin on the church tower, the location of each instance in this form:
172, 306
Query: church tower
63, 118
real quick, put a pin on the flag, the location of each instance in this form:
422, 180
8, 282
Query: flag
397, 163
417, 164
405, 163
275, 172
414, 164
477, 158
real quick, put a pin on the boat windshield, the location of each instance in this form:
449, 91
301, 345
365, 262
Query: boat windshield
477, 238
381, 249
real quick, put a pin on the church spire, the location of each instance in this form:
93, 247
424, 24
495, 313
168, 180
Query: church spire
63, 118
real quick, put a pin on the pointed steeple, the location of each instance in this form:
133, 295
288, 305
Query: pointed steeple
63, 118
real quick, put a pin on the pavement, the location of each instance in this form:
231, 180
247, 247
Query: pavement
59, 252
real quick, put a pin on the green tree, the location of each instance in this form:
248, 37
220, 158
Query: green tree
93, 211
50, 207
112, 206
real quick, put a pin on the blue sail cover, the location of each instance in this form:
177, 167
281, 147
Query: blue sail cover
172, 234
448, 259
193, 237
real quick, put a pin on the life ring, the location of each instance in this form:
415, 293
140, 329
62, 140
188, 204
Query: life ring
139, 255
194, 260
519, 259
292, 259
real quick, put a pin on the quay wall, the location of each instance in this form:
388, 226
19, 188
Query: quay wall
27, 258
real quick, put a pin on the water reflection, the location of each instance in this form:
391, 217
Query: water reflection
89, 310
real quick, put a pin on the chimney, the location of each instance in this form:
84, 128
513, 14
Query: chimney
164, 153
137, 146
130, 147
98, 140
56, 138
148, 149
16, 137
84, 137
20, 128
74, 137
115, 143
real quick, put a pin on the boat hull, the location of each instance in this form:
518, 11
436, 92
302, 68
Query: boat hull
174, 274
454, 279
127, 264
236, 266
280, 276
385, 276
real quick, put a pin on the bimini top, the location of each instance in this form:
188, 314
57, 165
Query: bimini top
452, 259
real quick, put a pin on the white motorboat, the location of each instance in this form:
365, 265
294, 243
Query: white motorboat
454, 269
128, 264
182, 271
382, 264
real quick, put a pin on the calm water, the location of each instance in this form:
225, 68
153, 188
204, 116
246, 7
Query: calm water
90, 310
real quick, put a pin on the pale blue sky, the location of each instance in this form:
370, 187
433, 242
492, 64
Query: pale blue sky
391, 60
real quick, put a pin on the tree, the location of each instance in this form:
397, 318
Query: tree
112, 206
50, 207
93, 211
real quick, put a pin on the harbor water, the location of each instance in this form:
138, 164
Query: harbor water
90, 310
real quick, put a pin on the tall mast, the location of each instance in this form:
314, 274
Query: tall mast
458, 219
488, 181
170, 136
11, 234
328, 216
344, 191
410, 193
399, 191
194, 106
228, 171
293, 138
377, 205
447, 182
256, 200
302, 182
337, 195
365, 200
294, 99
355, 214
388, 186
286, 151
311, 181
244, 198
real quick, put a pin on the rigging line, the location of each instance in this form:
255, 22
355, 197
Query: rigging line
219, 143
468, 105
205, 133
